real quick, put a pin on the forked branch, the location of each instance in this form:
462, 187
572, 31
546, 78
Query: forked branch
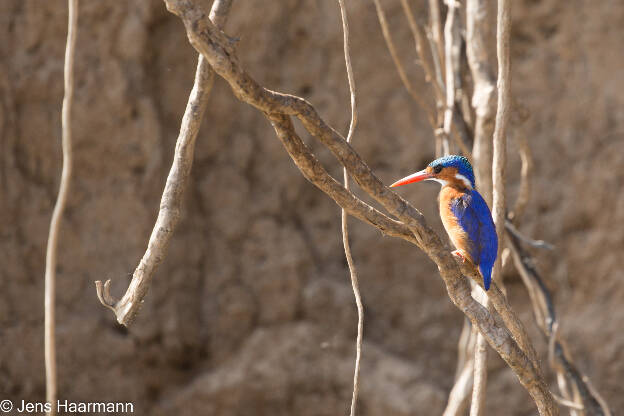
220, 52
128, 306
568, 376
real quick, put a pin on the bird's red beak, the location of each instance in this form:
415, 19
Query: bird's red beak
414, 177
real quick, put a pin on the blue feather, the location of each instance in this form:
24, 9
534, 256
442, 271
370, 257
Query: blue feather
474, 217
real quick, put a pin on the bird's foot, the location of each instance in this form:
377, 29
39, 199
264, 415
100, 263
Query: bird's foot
458, 253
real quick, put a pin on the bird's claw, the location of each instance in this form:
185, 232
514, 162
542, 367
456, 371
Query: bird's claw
457, 253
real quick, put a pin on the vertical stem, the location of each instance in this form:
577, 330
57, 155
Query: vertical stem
399, 66
480, 365
500, 130
436, 29
59, 207
451, 54
344, 217
484, 94
503, 23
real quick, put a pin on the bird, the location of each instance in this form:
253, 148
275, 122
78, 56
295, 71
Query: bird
465, 214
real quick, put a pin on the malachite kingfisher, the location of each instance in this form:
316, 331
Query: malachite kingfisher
465, 214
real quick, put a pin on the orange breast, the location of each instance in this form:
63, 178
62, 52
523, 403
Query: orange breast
455, 232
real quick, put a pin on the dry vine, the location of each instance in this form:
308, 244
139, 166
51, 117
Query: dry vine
399, 66
128, 306
220, 52
59, 207
499, 325
484, 104
569, 378
503, 30
344, 217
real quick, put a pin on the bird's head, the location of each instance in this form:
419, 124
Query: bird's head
447, 170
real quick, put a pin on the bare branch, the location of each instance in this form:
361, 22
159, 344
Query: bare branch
498, 183
568, 376
437, 65
465, 348
425, 58
503, 30
344, 217
529, 241
597, 396
452, 48
483, 102
59, 208
460, 393
483, 97
479, 383
436, 31
220, 53
312, 170
399, 66
128, 306
458, 397
568, 403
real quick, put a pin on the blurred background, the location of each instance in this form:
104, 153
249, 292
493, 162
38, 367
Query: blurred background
252, 310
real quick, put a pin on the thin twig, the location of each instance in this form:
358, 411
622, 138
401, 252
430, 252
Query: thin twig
452, 48
220, 51
437, 65
568, 403
529, 241
524, 192
601, 401
59, 208
436, 30
425, 58
399, 66
128, 306
344, 217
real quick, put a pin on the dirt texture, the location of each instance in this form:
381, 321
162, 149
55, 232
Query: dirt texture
251, 312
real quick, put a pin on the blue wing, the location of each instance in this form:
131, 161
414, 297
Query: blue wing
474, 216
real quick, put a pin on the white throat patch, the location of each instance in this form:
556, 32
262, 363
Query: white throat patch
464, 180
440, 181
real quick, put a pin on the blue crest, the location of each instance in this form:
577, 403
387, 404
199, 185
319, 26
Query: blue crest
462, 165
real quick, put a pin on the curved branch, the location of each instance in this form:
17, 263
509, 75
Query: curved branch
128, 306
220, 53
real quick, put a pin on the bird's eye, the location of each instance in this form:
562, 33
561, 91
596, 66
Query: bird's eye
437, 169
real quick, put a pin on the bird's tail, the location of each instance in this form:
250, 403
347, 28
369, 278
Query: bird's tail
486, 272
